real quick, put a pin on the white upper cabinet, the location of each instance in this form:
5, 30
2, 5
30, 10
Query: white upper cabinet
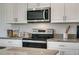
18, 12
38, 5
60, 12
21, 12
57, 12
32, 5
7, 11
45, 4
64, 12
72, 12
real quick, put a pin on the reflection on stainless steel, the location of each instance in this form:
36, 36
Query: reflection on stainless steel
34, 41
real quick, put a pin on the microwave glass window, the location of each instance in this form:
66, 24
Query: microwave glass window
33, 15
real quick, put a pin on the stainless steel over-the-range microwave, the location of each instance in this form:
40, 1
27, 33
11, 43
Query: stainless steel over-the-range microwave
39, 15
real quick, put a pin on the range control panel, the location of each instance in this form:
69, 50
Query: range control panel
43, 31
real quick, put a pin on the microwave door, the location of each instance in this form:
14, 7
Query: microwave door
35, 15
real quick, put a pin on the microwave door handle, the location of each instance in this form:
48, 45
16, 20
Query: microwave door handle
44, 14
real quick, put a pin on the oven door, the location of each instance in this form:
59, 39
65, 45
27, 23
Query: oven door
34, 44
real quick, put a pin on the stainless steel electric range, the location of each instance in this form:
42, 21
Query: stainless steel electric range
39, 38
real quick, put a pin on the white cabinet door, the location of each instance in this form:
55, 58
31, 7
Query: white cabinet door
14, 43
11, 42
64, 12
3, 42
65, 48
37, 5
65, 45
20, 12
16, 11
7, 12
57, 12
32, 5
72, 11
45, 4
69, 52
51, 45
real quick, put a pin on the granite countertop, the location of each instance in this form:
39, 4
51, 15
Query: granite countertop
48, 40
27, 51
13, 38
10, 37
63, 40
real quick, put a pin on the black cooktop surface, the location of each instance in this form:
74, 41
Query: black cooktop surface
39, 37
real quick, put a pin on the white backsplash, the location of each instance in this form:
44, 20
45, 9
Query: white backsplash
59, 28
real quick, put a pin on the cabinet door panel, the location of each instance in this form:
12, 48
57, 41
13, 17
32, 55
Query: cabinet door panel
57, 12
38, 5
10, 42
22, 11
14, 43
32, 5
69, 52
2, 42
45, 4
65, 48
71, 11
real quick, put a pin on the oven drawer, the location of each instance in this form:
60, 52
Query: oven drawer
34, 45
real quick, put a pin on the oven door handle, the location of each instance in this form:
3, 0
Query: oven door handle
34, 41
